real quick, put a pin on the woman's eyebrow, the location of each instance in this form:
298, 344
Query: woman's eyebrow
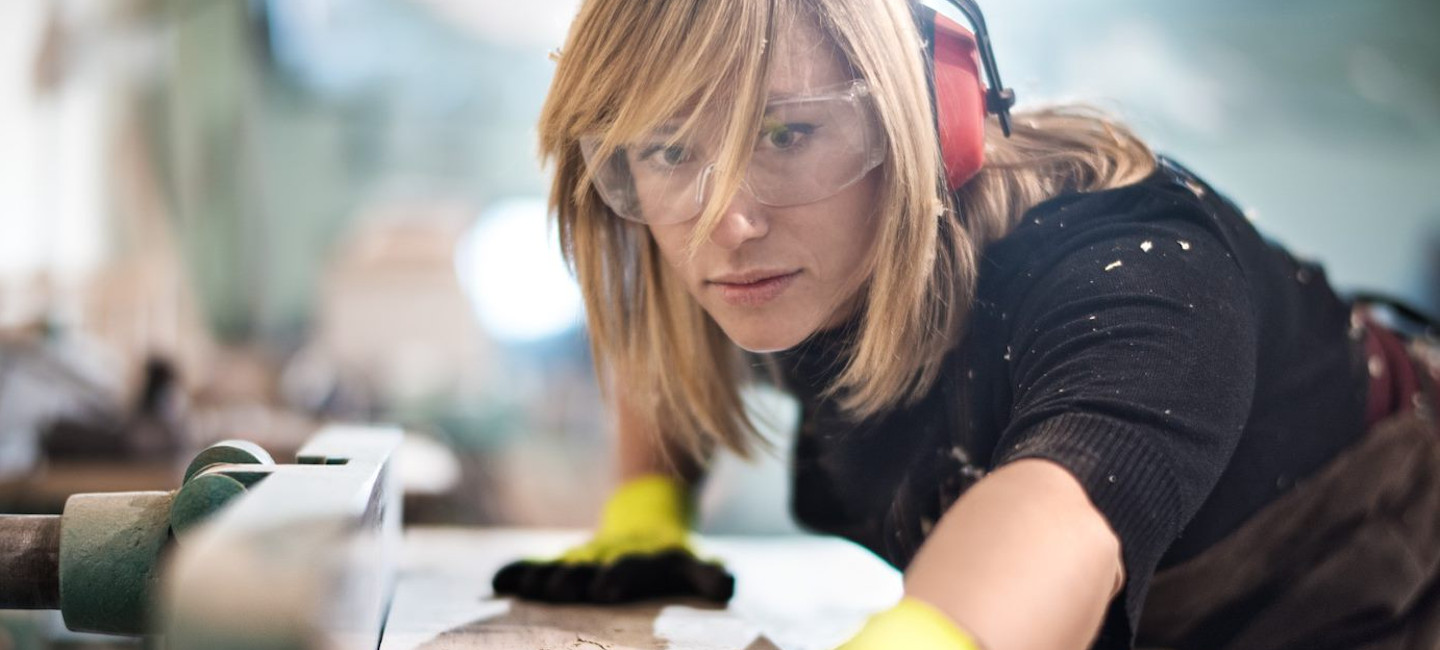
673, 126
664, 128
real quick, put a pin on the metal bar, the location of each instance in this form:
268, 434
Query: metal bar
29, 562
306, 558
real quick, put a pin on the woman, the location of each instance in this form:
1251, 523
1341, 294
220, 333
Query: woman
1074, 395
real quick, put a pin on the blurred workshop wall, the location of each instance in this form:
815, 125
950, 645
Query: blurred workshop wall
1321, 118
274, 196
93, 286
289, 119
86, 239
334, 157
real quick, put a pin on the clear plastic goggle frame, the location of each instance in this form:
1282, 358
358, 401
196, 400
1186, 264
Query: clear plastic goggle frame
809, 148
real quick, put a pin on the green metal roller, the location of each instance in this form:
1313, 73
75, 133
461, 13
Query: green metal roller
325, 528
110, 546
201, 497
237, 452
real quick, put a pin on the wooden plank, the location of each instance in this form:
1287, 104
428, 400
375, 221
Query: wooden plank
792, 593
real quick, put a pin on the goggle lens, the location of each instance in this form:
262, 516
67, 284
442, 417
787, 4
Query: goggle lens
808, 149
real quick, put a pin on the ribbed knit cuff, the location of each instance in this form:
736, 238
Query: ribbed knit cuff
1127, 478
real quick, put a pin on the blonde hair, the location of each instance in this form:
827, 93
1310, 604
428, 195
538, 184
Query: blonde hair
629, 64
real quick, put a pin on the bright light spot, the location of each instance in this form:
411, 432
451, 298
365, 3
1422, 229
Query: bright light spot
510, 266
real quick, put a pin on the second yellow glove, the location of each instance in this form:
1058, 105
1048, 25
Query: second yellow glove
911, 625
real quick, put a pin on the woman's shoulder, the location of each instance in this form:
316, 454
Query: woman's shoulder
1169, 192
1172, 211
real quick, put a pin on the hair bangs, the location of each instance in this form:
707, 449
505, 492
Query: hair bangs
648, 63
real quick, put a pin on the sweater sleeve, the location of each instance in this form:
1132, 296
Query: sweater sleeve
1131, 358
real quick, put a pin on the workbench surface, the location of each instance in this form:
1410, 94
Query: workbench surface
791, 593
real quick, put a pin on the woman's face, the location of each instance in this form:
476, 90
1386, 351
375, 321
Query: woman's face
771, 276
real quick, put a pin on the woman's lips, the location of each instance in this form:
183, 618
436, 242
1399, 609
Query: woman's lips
759, 292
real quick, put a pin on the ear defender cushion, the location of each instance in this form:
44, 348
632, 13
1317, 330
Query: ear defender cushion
959, 97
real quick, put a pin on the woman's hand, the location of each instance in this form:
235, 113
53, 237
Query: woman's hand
911, 625
641, 550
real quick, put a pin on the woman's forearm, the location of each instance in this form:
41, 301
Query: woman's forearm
1023, 561
642, 451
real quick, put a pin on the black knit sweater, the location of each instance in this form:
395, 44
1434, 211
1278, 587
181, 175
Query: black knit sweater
1147, 339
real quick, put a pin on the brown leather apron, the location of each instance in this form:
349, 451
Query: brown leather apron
1349, 558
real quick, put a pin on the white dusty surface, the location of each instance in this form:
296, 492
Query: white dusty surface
792, 593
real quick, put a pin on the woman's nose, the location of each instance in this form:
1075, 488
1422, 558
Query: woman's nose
744, 219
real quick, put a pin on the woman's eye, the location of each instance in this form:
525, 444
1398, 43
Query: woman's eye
670, 155
787, 136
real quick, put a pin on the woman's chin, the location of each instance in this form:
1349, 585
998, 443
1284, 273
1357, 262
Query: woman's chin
760, 337
766, 347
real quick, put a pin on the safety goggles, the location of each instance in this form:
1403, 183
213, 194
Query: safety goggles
809, 148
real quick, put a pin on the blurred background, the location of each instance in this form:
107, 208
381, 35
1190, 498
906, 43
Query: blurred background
240, 218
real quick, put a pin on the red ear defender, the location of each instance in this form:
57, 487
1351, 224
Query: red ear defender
959, 100
954, 57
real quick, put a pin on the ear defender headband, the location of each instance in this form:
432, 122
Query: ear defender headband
960, 99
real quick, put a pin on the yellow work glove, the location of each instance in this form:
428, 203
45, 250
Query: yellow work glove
911, 625
640, 550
